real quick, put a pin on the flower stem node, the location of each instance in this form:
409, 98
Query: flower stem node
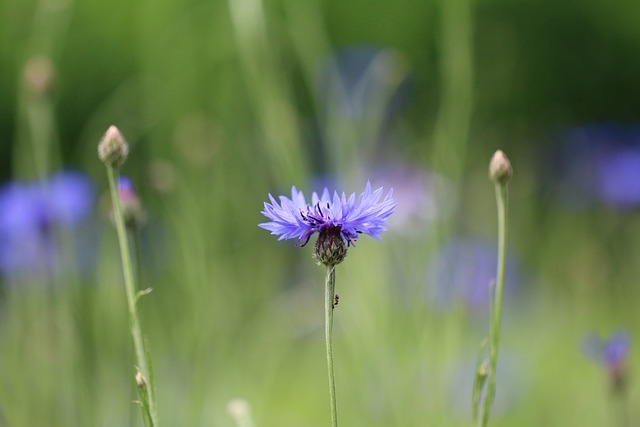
330, 248
113, 149
500, 170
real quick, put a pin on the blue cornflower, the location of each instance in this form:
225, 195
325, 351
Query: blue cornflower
29, 214
462, 270
611, 353
338, 220
593, 165
363, 82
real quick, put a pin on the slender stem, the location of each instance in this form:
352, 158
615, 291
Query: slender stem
329, 295
496, 312
621, 406
134, 324
137, 250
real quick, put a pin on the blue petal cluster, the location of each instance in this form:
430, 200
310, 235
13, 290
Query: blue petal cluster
591, 165
611, 353
29, 214
126, 189
295, 218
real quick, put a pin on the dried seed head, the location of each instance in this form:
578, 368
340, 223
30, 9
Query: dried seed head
500, 170
113, 149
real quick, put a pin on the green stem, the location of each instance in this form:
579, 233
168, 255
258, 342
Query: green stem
496, 312
137, 249
329, 296
134, 324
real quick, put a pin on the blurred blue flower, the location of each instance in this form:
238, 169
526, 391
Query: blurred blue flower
462, 271
132, 211
423, 196
595, 164
612, 353
126, 190
361, 82
29, 214
294, 218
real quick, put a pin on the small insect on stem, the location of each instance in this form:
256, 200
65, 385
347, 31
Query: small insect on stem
336, 300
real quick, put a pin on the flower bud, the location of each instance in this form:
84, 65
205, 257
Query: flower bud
113, 149
38, 75
140, 379
132, 211
330, 249
500, 170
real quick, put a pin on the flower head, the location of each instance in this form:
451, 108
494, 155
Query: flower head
132, 211
362, 82
594, 165
113, 149
29, 214
611, 354
451, 281
500, 170
338, 220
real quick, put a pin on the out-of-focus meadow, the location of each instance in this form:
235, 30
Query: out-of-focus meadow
224, 102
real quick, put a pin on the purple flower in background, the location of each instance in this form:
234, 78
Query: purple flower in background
423, 197
338, 220
595, 164
462, 271
619, 178
611, 354
361, 82
126, 190
132, 210
29, 214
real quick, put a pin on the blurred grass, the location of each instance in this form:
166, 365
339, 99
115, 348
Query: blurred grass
217, 100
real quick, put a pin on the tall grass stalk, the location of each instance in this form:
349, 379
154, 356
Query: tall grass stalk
456, 68
267, 82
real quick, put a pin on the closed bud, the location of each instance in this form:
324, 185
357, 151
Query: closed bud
140, 379
500, 170
113, 149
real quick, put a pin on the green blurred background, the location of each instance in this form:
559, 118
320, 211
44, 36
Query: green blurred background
224, 102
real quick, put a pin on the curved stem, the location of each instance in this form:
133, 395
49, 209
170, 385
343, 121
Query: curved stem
329, 295
496, 312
